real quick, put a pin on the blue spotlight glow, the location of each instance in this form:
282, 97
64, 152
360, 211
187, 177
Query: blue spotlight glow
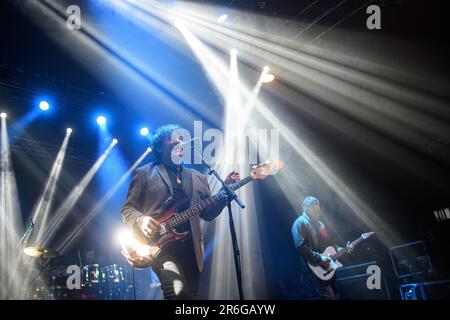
222, 18
144, 132
101, 120
43, 105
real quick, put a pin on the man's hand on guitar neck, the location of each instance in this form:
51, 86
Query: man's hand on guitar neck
349, 247
232, 177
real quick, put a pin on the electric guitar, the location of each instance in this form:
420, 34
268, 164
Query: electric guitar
141, 251
331, 253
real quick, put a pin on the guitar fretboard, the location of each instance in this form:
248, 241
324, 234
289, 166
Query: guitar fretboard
181, 217
357, 241
339, 254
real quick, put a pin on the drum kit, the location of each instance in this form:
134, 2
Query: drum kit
98, 282
104, 282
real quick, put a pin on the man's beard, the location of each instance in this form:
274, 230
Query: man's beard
176, 157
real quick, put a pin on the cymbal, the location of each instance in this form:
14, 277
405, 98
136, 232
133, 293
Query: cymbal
40, 252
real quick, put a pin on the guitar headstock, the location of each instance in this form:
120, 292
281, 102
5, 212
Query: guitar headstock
262, 170
367, 235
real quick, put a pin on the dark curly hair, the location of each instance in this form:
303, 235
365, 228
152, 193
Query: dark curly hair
158, 138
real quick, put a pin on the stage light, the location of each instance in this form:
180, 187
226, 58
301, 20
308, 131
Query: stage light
178, 24
222, 18
42, 209
10, 221
3, 115
72, 198
149, 149
266, 69
144, 131
268, 77
115, 141
101, 120
125, 238
124, 235
43, 105
233, 52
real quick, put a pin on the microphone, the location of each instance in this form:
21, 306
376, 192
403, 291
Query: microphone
182, 144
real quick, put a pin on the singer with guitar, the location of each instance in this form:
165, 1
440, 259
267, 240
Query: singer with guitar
311, 237
156, 187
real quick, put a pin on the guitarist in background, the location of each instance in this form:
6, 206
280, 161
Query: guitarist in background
311, 236
154, 188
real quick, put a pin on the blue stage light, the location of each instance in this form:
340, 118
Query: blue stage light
144, 131
43, 105
101, 120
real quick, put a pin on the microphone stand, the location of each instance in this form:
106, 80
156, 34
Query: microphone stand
134, 284
21, 244
230, 197
25, 235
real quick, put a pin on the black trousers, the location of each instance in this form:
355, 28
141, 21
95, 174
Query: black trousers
176, 268
312, 288
328, 291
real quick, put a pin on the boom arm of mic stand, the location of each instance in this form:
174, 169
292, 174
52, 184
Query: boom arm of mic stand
30, 227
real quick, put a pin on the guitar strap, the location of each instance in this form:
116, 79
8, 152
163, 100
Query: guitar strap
187, 183
323, 232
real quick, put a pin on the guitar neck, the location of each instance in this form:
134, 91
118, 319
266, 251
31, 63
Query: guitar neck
345, 251
357, 241
182, 217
